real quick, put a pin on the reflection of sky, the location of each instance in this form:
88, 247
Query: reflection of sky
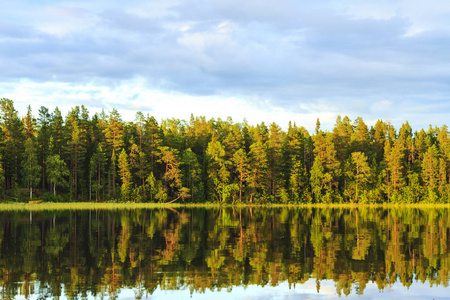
282, 291
305, 291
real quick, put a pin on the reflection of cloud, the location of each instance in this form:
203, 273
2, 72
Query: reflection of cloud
304, 291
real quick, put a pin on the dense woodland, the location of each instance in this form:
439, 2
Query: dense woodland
103, 158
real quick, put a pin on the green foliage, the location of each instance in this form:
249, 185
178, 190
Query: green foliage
219, 160
57, 171
125, 176
31, 170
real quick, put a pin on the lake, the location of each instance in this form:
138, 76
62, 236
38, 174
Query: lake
226, 253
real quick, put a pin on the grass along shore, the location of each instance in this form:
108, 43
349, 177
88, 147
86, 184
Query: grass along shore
117, 206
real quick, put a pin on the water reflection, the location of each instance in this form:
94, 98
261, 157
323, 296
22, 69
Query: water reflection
102, 253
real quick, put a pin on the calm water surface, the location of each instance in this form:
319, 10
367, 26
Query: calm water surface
248, 253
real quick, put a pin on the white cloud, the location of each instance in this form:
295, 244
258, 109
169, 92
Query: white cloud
64, 20
133, 95
290, 60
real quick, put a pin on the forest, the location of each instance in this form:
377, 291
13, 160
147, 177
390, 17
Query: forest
104, 158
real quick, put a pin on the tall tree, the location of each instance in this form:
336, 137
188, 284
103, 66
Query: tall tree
57, 132
152, 141
2, 178
325, 154
97, 168
378, 140
172, 176
77, 151
13, 142
394, 162
140, 119
259, 168
31, 170
430, 171
192, 178
125, 175
57, 171
240, 163
218, 170
43, 139
361, 174
360, 137
113, 133
342, 136
274, 155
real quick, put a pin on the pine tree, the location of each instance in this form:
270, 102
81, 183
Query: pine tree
57, 171
43, 139
443, 183
218, 170
97, 171
317, 126
134, 162
2, 178
77, 150
430, 171
140, 119
360, 137
57, 132
378, 140
274, 155
114, 133
361, 173
172, 175
342, 135
240, 163
325, 154
125, 175
259, 170
394, 166
152, 141
299, 183
31, 170
12, 128
317, 179
192, 178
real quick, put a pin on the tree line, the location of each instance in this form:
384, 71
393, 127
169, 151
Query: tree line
102, 157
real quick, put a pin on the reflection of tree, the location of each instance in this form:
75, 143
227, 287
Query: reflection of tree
101, 252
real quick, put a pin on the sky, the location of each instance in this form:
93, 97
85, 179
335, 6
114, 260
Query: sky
271, 61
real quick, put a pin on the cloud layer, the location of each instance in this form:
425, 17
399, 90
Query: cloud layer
277, 60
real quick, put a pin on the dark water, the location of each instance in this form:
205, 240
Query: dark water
256, 253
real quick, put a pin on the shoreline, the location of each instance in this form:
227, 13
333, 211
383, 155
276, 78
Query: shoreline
131, 206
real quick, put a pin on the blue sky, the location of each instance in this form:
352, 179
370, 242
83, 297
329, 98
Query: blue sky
260, 60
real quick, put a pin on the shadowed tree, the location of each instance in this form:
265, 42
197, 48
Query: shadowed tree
13, 137
57, 171
43, 139
172, 174
31, 169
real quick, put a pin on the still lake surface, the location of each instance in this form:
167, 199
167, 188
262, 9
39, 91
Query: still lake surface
227, 253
